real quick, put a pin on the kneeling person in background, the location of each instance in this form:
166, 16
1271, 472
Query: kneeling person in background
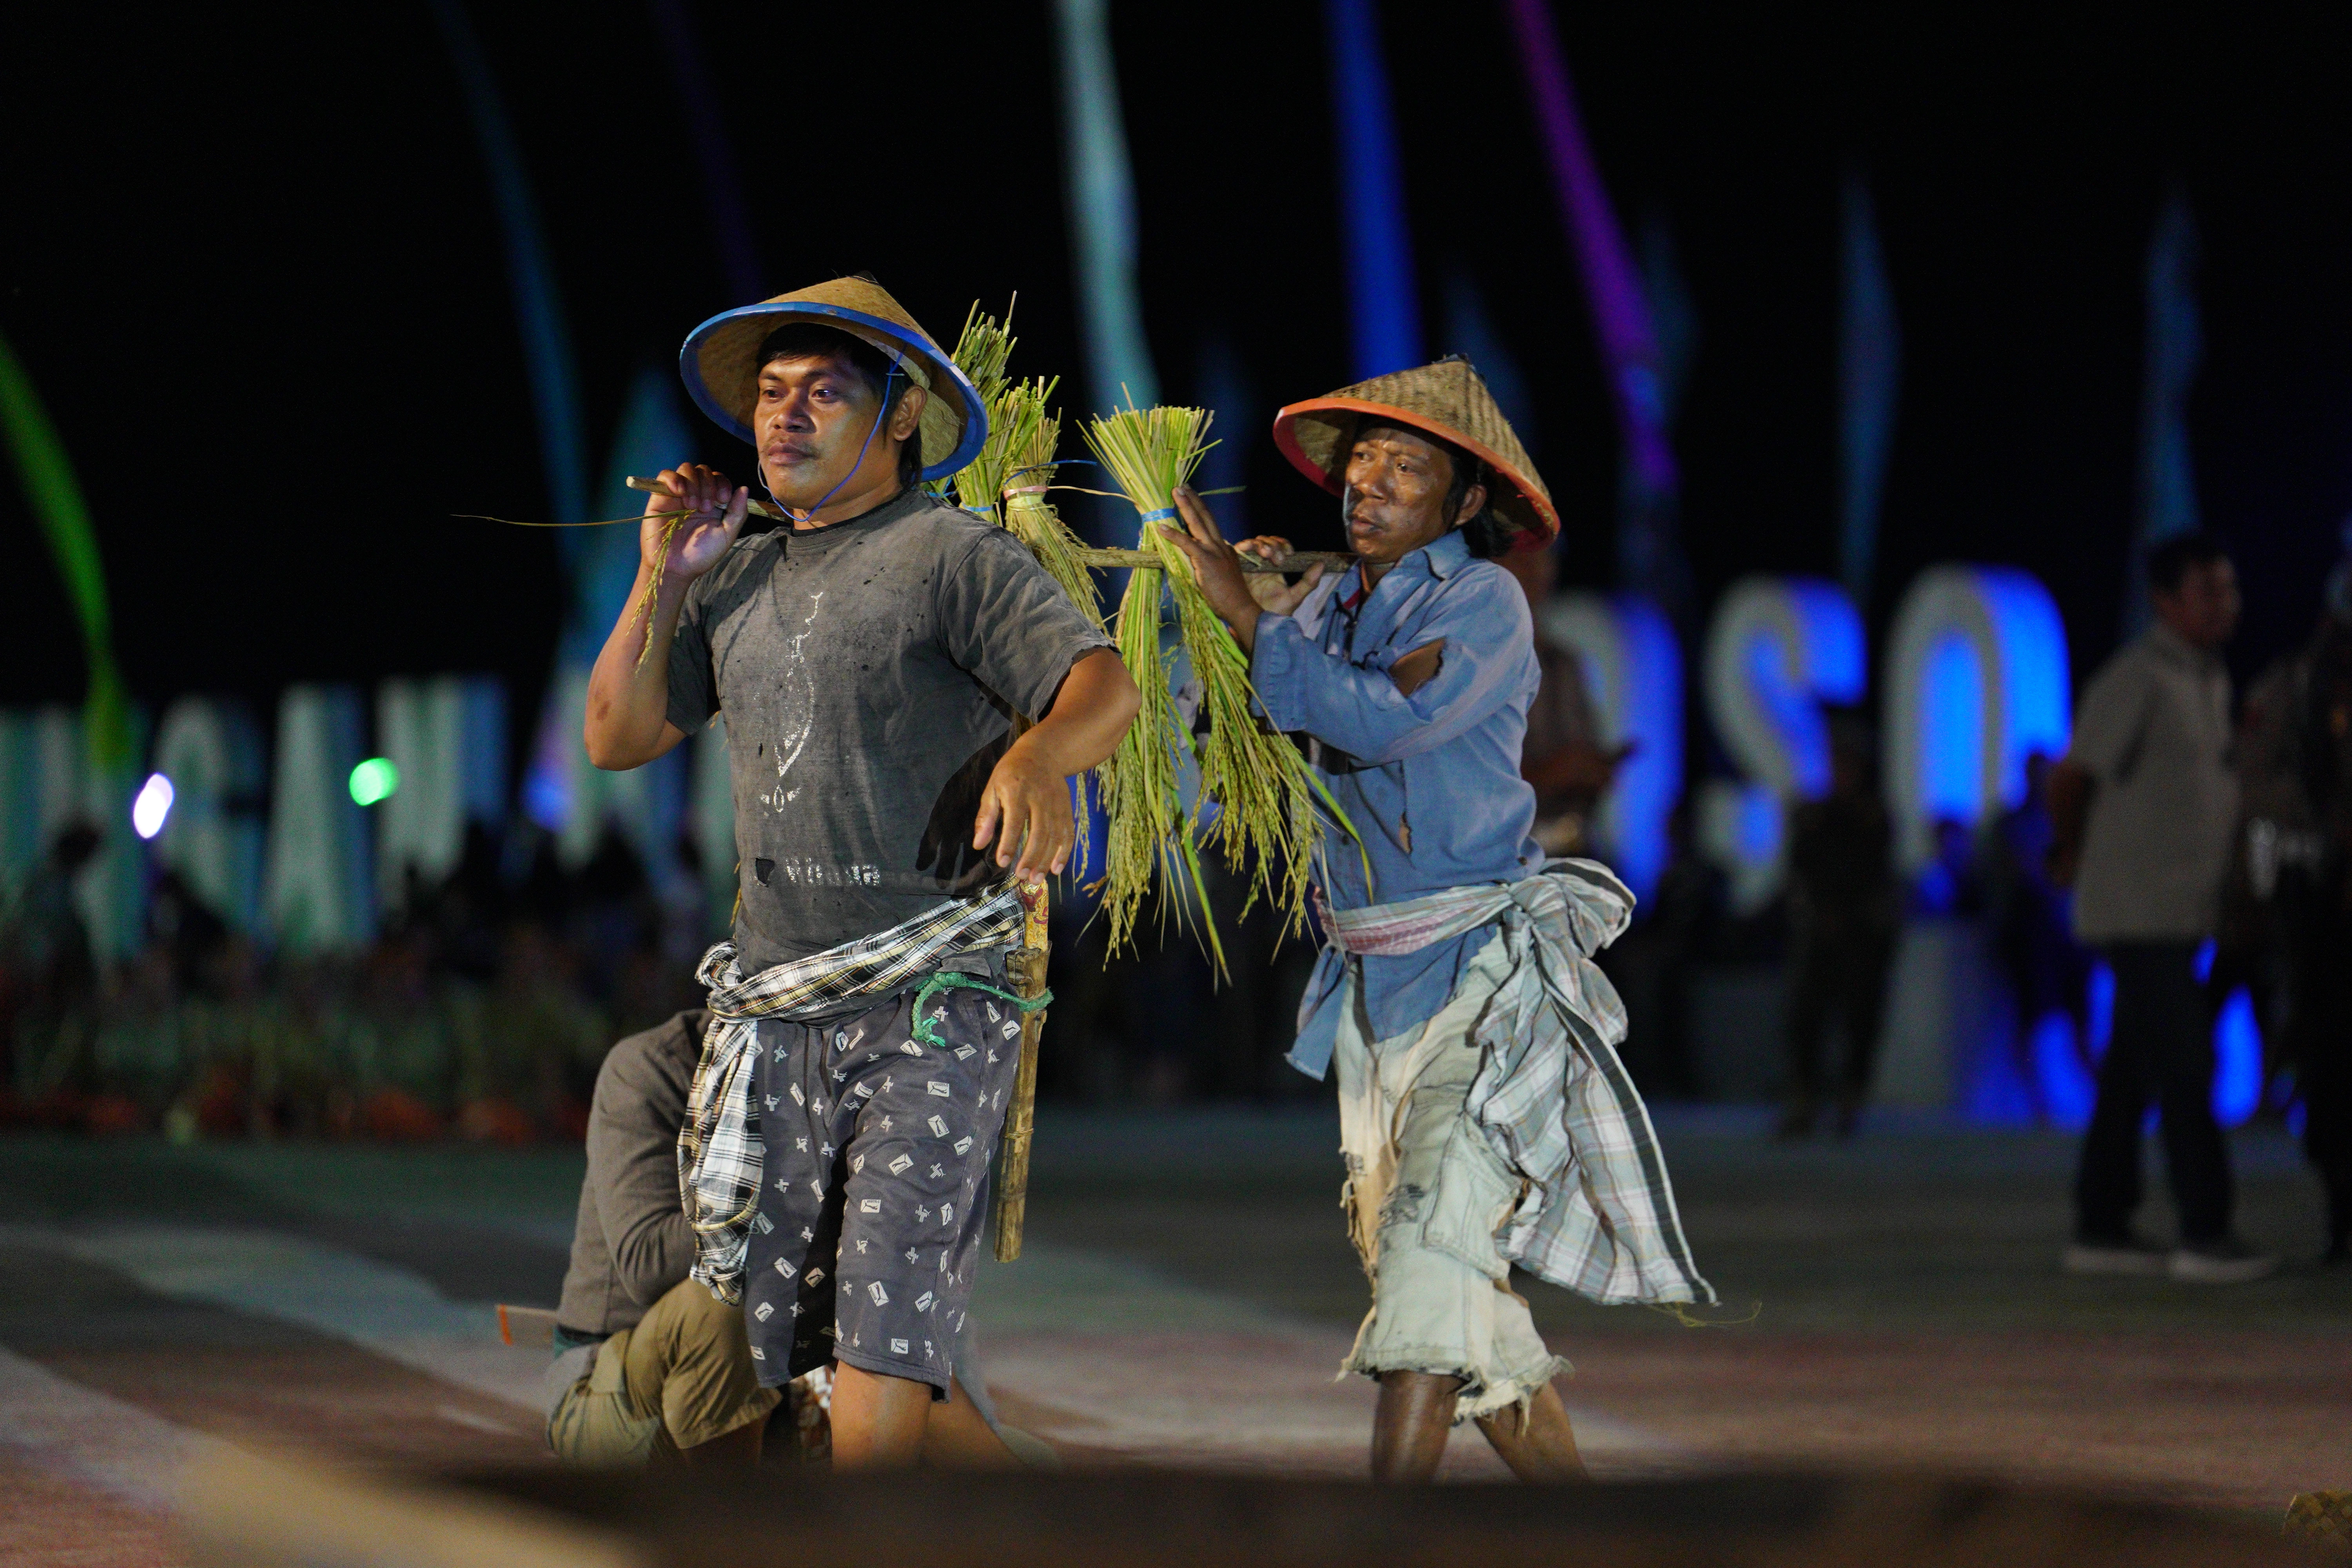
648, 1365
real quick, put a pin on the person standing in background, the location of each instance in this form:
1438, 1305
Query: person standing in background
1845, 907
2294, 770
2146, 806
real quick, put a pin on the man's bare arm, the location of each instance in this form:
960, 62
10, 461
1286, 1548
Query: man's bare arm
1026, 804
627, 724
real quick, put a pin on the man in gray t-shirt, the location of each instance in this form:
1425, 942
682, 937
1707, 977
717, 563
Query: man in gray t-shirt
869, 671
870, 661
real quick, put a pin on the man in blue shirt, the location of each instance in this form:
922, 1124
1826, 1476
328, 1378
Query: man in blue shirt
1485, 1117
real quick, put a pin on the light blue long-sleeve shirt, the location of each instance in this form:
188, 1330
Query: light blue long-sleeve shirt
1430, 780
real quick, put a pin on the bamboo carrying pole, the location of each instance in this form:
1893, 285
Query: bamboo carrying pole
1026, 969
1297, 561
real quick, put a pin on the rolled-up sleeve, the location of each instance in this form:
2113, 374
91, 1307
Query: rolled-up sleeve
1481, 618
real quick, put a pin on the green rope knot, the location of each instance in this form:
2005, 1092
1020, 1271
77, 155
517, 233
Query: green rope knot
925, 1031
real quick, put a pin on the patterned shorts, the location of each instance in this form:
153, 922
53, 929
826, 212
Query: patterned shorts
874, 1184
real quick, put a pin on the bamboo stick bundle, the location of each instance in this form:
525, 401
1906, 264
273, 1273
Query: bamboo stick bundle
1025, 968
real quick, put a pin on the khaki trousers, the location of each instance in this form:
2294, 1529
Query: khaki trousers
683, 1376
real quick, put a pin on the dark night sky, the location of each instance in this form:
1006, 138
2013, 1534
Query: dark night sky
254, 267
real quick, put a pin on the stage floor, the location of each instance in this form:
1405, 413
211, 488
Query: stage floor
1186, 1299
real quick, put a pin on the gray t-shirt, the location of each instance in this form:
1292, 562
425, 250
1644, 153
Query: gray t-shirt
2154, 732
868, 672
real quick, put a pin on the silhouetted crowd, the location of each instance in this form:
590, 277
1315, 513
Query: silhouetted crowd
482, 1008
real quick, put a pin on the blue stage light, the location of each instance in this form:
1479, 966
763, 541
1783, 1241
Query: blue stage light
2060, 1076
2236, 1061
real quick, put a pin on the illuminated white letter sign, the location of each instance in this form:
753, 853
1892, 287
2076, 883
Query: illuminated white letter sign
1780, 647
1976, 681
212, 754
315, 885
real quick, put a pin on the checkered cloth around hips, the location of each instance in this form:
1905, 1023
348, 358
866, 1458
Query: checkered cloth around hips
1599, 1216
719, 1153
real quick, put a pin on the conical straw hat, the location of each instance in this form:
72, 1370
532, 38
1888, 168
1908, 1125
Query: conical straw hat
1448, 400
720, 363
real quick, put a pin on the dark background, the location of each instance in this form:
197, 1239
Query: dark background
254, 267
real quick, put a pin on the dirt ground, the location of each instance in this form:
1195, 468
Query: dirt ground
1186, 1298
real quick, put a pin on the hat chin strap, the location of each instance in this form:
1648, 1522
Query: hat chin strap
879, 415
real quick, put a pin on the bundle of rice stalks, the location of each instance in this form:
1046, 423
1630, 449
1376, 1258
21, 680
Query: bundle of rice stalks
1264, 794
1009, 480
981, 353
1031, 437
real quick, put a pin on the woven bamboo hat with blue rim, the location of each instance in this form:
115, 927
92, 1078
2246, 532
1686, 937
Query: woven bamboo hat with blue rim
720, 363
1449, 401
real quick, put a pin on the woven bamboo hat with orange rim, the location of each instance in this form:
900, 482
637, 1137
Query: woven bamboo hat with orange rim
1449, 401
720, 363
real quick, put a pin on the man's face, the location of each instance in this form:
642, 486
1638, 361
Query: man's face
2203, 611
814, 415
1396, 495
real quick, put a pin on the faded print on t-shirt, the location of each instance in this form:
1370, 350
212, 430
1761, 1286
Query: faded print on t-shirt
868, 672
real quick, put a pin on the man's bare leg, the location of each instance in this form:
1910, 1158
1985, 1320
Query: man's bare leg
1410, 1429
1542, 1447
878, 1421
737, 1450
893, 1423
957, 1438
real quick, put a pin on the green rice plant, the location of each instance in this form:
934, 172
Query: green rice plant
982, 352
1258, 799
1032, 436
1151, 839
1008, 481
1264, 819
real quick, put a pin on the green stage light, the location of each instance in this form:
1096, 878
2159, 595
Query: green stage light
374, 780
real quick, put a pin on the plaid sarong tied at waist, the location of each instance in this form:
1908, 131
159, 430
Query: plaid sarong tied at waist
719, 1153
1551, 1096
